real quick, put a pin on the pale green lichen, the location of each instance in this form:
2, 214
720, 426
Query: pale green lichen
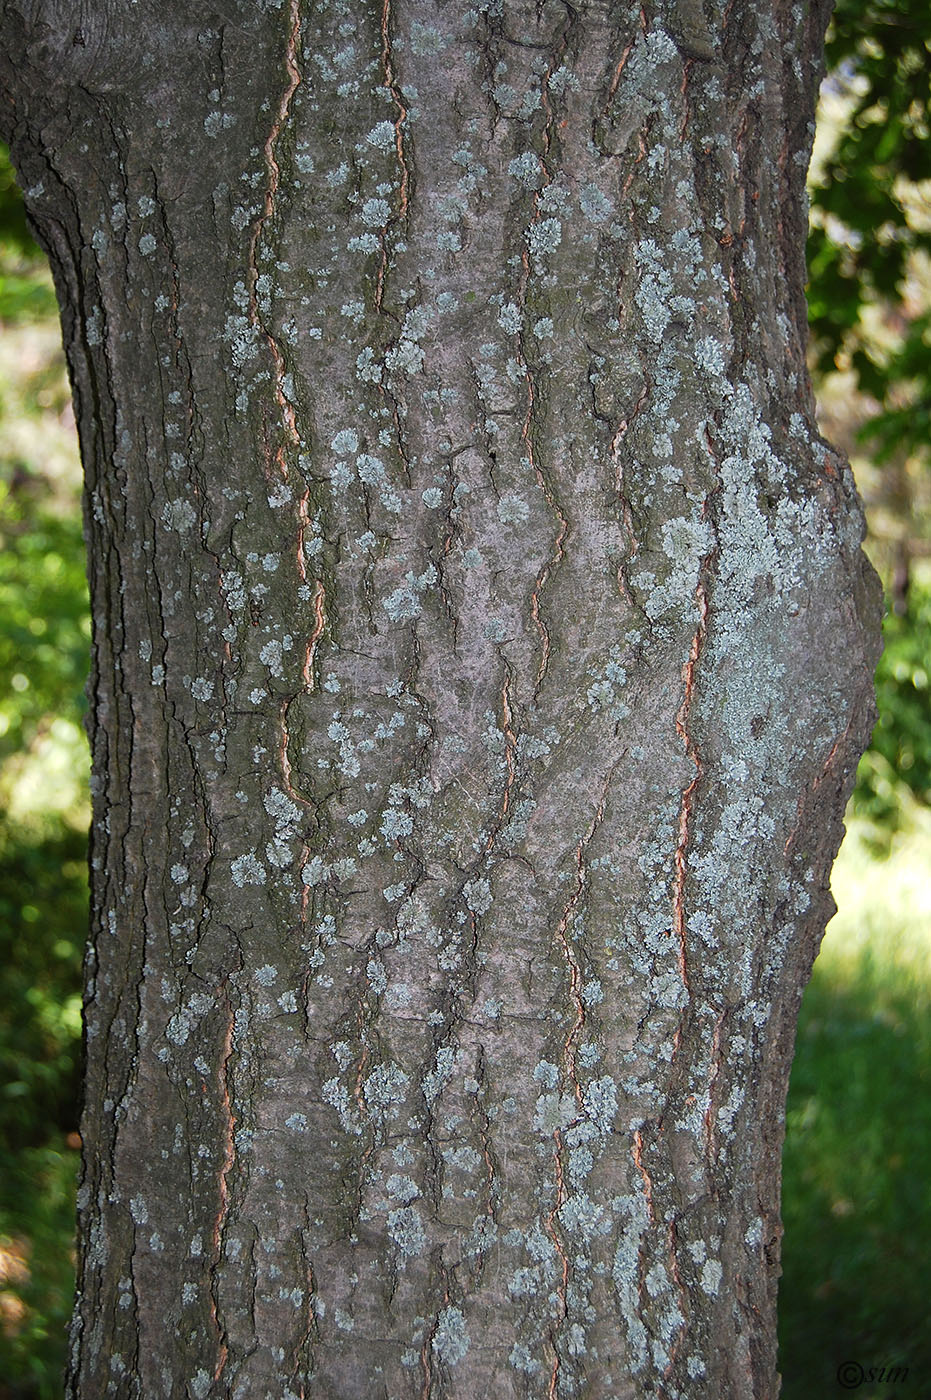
513, 510
543, 238
405, 1227
450, 1341
247, 869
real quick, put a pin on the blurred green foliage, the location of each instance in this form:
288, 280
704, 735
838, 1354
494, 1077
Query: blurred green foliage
14, 230
43, 602
895, 772
44, 636
22, 294
37, 1187
870, 219
43, 920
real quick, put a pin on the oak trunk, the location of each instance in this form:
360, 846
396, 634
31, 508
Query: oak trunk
482, 653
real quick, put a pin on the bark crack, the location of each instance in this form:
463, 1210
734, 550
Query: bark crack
571, 1068
563, 530
228, 1148
688, 797
390, 82
282, 115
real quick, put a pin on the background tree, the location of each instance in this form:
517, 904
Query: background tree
385, 898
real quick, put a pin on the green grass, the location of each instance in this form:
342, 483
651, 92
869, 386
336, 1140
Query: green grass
856, 1194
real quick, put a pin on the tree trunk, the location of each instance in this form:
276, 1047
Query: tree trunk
482, 651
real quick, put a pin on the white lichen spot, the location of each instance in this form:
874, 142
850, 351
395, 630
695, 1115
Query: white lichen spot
526, 168
364, 243
465, 1158
402, 604
405, 1228
247, 870
402, 1188
406, 357
434, 1080
709, 356
315, 872
562, 79
383, 137
179, 515
451, 1339
371, 470
384, 1089
477, 895
346, 442
553, 1112
425, 39
593, 992
521, 1359
659, 47
396, 824
596, 207
543, 238
398, 995
271, 655
600, 1102
513, 510
376, 213
546, 1073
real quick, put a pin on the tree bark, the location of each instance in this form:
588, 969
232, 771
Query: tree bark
482, 655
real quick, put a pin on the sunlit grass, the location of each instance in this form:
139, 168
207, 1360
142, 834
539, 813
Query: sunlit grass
856, 1193
881, 933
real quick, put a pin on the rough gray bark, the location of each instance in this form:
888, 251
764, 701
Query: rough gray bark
482, 655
